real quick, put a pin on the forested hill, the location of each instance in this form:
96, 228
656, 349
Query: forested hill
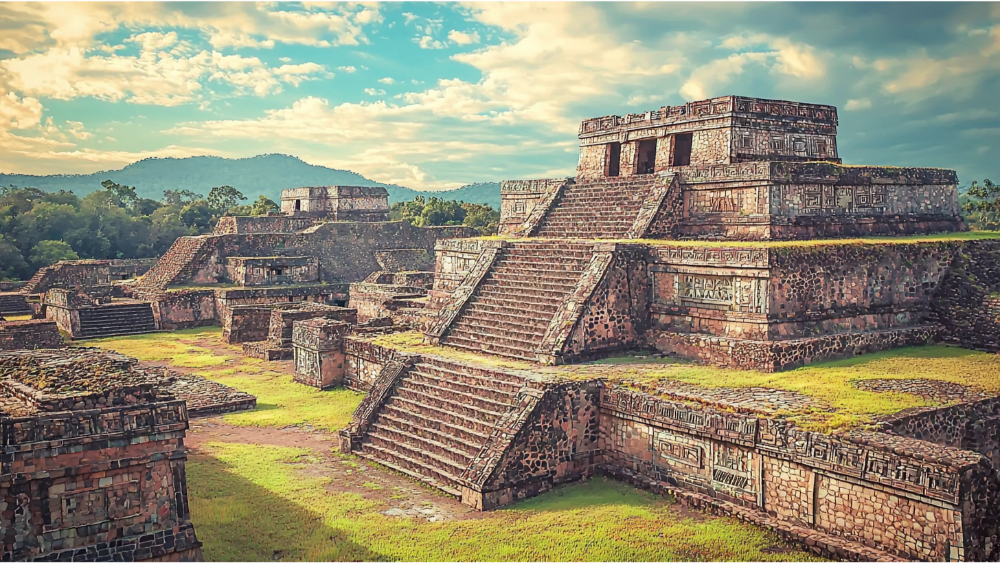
263, 175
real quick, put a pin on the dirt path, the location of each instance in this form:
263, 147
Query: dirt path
404, 497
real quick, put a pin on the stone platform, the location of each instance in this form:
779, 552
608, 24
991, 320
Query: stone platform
94, 461
490, 435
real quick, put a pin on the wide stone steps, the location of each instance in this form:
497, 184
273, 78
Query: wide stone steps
509, 348
465, 386
606, 209
454, 436
438, 420
398, 461
532, 329
510, 311
438, 454
14, 304
116, 320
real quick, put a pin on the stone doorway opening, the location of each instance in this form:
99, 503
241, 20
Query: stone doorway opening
646, 161
682, 149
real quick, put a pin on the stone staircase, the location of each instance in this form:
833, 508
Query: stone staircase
116, 320
439, 419
511, 309
596, 209
180, 263
14, 303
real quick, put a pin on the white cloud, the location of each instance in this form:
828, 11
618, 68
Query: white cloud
285, 59
348, 69
18, 113
77, 130
780, 54
854, 105
374, 92
296, 74
428, 42
387, 80
462, 38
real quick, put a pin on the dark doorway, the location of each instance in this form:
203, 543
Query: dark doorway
613, 164
682, 149
298, 205
646, 163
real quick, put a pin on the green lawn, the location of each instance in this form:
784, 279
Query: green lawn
250, 503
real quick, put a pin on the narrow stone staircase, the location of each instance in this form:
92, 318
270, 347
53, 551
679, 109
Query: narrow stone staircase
116, 320
596, 209
14, 303
438, 420
180, 263
510, 310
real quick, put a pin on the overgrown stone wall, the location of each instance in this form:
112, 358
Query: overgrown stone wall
365, 361
967, 301
971, 426
907, 497
184, 309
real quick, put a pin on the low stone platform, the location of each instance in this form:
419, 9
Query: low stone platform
29, 335
492, 434
93, 461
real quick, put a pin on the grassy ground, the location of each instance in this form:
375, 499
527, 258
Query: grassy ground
250, 503
256, 502
829, 382
280, 401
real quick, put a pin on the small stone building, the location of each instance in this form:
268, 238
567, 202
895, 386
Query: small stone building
93, 461
337, 203
319, 352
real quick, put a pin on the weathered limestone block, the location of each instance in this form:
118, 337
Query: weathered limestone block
319, 352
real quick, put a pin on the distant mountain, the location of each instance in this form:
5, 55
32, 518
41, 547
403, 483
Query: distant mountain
260, 175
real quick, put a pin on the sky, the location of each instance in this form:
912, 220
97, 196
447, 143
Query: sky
438, 95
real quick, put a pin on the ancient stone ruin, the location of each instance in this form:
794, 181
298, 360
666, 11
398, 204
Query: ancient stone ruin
93, 460
694, 232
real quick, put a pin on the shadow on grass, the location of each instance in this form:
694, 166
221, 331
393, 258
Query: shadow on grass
588, 494
238, 520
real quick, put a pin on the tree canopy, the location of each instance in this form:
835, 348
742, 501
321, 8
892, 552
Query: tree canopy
436, 212
981, 205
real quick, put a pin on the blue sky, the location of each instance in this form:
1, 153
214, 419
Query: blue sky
438, 95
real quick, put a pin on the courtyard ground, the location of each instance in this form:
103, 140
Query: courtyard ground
269, 485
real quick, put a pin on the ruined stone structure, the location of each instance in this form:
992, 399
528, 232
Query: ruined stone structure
265, 331
577, 278
319, 352
337, 203
29, 335
278, 259
93, 461
75, 274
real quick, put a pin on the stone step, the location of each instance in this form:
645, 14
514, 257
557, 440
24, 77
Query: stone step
482, 324
415, 469
450, 393
383, 432
457, 436
429, 374
530, 281
541, 268
492, 288
437, 417
483, 377
499, 347
504, 310
468, 411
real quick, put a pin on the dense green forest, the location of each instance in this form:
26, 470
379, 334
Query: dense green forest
39, 228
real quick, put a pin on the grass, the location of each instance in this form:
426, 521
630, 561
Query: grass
18, 317
831, 383
251, 503
280, 401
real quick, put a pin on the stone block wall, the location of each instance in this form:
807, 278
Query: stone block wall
405, 260
365, 361
523, 202
973, 426
967, 301
319, 355
84, 480
337, 203
906, 497
272, 270
178, 309
246, 323
454, 260
261, 224
29, 335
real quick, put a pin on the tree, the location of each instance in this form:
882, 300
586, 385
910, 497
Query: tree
49, 252
435, 212
197, 214
179, 198
481, 217
223, 198
122, 195
262, 206
12, 264
982, 205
